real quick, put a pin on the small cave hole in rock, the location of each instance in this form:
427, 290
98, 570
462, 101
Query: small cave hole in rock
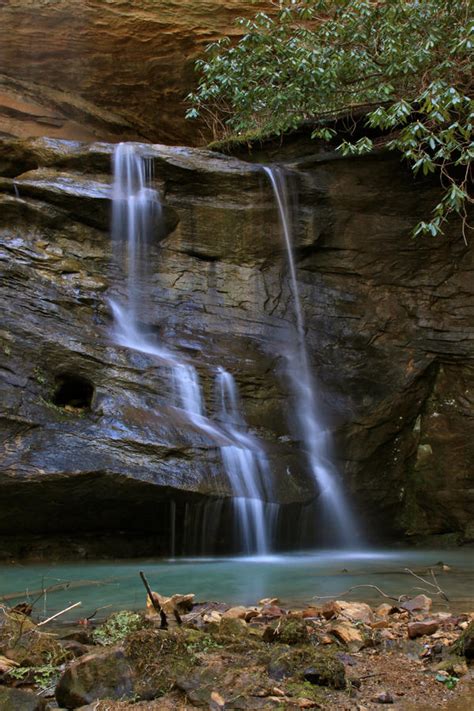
73, 391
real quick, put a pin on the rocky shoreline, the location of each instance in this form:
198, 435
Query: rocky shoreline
340, 655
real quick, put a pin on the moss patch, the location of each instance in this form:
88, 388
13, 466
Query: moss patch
159, 657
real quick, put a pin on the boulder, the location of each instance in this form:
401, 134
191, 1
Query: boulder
289, 630
105, 675
177, 602
238, 612
355, 611
233, 627
385, 609
19, 700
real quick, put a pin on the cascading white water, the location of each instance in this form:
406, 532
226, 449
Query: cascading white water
136, 208
135, 215
136, 211
314, 435
247, 469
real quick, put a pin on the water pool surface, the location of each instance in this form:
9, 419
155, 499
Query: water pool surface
295, 579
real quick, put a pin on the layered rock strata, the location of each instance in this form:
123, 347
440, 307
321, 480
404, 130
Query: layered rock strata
90, 441
107, 69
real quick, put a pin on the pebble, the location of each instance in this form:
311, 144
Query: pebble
384, 698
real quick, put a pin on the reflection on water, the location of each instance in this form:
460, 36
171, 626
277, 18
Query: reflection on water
296, 579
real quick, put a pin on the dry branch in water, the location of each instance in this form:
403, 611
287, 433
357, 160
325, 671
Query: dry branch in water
433, 589
61, 612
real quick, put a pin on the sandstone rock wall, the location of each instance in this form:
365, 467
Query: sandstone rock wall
390, 330
106, 69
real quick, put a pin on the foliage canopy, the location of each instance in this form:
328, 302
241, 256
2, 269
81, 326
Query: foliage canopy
405, 64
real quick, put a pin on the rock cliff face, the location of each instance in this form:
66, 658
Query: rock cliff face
106, 69
90, 442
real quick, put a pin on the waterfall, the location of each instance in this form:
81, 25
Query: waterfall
247, 469
315, 437
136, 212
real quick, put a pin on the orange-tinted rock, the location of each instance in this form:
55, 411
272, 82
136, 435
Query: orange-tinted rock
355, 611
385, 609
380, 624
420, 603
419, 629
331, 609
233, 613
349, 635
107, 69
312, 612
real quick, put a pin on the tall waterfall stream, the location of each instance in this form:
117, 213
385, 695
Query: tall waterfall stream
314, 436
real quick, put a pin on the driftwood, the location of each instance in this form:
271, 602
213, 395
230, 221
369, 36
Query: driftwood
356, 587
61, 612
68, 585
433, 589
154, 602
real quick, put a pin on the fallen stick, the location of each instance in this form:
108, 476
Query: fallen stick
355, 587
435, 587
154, 602
69, 585
53, 617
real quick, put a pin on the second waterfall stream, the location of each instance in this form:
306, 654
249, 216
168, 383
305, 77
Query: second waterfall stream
314, 436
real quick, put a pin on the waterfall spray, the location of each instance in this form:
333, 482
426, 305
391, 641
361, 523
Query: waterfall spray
315, 437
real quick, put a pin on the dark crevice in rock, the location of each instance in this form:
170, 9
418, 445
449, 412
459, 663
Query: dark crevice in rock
202, 257
73, 391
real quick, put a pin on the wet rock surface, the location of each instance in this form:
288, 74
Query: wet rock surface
389, 330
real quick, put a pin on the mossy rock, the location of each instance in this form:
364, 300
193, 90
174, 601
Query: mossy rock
464, 645
158, 658
305, 690
118, 626
19, 700
22, 641
106, 674
310, 665
233, 627
292, 630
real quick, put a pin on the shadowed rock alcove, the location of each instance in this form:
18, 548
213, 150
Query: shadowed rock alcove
73, 391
